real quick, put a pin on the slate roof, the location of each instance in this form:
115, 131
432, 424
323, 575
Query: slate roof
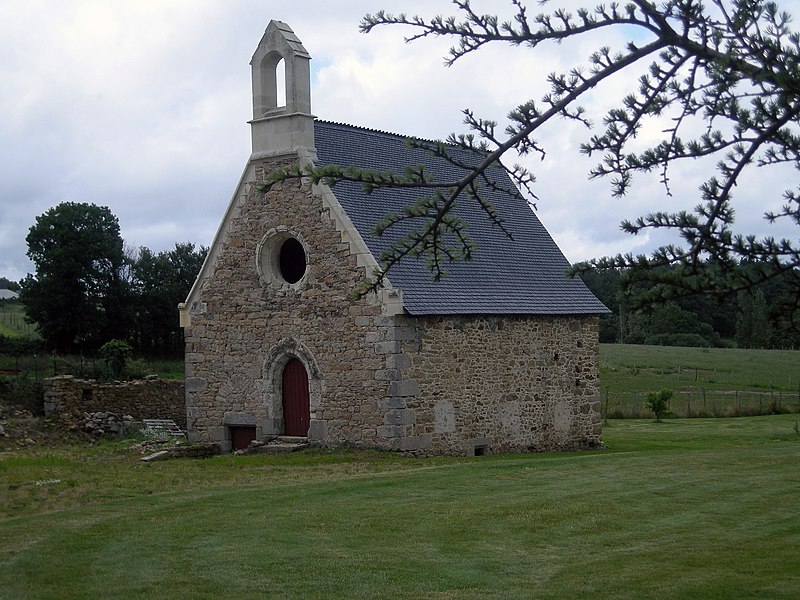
523, 275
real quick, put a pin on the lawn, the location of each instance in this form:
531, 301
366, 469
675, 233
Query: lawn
700, 508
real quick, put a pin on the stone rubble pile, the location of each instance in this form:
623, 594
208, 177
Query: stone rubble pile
102, 424
17, 426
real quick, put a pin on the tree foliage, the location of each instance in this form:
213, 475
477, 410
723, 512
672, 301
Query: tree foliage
725, 78
76, 292
160, 282
694, 320
87, 292
116, 354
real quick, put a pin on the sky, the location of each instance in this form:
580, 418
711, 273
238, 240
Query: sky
142, 106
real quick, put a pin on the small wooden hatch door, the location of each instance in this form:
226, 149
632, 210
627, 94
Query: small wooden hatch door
242, 436
296, 410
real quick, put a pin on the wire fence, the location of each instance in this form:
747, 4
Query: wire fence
39, 367
702, 403
14, 319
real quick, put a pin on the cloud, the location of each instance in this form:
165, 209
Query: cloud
143, 107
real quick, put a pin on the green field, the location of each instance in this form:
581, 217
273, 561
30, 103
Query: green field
12, 320
629, 367
706, 381
701, 508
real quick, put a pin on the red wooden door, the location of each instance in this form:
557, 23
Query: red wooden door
296, 411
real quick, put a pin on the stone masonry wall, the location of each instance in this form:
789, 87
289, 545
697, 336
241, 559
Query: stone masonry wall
424, 385
243, 330
142, 399
496, 384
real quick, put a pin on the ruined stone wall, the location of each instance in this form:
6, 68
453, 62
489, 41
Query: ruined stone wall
490, 384
142, 399
244, 329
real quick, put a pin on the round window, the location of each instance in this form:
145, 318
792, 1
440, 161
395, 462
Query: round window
282, 258
292, 260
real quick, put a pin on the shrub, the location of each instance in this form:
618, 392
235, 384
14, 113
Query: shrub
137, 369
658, 402
116, 355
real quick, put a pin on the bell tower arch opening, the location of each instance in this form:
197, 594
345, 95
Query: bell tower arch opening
280, 83
271, 94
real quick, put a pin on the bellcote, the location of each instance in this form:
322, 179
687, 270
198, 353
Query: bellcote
281, 129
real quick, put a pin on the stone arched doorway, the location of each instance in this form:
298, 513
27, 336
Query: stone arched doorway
295, 396
289, 365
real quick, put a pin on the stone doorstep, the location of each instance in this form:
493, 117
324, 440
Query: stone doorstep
278, 444
277, 447
291, 439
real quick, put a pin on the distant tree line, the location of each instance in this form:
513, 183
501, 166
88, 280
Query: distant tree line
88, 289
750, 318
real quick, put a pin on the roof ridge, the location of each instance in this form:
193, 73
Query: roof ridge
374, 131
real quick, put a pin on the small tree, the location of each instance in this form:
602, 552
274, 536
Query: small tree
658, 402
77, 297
116, 354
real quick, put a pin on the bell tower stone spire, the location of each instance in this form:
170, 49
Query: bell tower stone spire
284, 129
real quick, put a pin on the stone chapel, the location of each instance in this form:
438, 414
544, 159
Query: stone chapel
501, 355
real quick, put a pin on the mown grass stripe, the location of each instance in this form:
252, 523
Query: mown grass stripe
683, 511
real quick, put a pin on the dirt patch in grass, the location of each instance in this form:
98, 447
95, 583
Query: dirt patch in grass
20, 429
